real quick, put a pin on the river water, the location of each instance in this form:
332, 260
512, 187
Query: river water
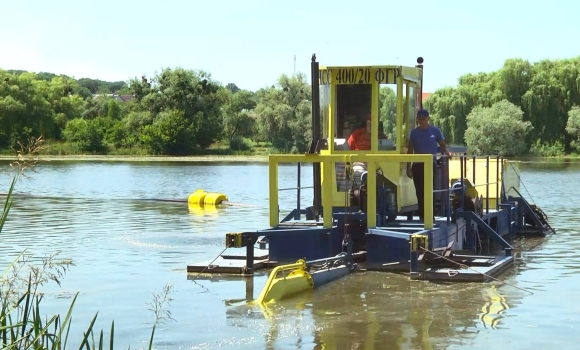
125, 248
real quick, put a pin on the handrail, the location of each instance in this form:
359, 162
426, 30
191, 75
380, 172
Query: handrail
294, 188
487, 183
371, 157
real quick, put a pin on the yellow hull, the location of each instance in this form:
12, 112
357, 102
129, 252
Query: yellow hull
280, 287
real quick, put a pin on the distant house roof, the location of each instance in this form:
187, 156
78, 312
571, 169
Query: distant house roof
125, 98
122, 98
425, 96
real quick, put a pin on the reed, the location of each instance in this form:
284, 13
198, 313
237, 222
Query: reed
22, 325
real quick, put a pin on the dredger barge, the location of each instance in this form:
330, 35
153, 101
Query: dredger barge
473, 205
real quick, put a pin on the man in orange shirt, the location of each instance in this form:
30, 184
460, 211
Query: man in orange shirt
360, 139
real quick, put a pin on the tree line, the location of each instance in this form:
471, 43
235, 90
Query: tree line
523, 108
175, 112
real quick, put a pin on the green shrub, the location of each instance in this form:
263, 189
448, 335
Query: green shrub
238, 143
555, 149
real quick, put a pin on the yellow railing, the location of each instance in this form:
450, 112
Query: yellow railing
328, 161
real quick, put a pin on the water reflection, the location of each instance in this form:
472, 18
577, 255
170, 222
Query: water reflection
203, 211
493, 309
370, 310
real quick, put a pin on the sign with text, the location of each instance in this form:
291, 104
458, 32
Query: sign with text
359, 75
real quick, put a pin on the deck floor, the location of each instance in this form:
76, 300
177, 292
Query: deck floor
233, 262
473, 274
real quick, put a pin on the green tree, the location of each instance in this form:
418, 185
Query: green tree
498, 129
134, 124
388, 110
96, 86
233, 88
284, 114
95, 107
236, 111
25, 112
65, 105
545, 91
170, 133
85, 134
114, 111
198, 100
573, 126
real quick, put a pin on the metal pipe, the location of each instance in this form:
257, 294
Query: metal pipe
487, 185
497, 182
473, 159
294, 188
341, 256
448, 211
503, 194
315, 86
419, 99
462, 184
297, 216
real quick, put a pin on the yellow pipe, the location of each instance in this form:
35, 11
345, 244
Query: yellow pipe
428, 194
298, 280
356, 156
331, 118
400, 137
273, 192
375, 116
327, 194
371, 199
406, 118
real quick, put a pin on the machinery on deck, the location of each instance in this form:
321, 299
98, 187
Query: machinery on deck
471, 202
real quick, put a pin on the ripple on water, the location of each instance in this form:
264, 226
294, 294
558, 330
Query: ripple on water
126, 248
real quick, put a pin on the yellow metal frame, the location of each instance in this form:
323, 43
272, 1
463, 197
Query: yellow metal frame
403, 78
328, 161
394, 75
392, 162
329, 79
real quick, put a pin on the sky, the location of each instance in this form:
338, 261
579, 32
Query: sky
252, 42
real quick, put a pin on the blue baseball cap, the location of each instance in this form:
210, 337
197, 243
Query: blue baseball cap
423, 113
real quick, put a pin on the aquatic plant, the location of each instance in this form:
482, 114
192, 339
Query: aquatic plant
21, 323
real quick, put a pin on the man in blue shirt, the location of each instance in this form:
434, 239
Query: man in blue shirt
423, 140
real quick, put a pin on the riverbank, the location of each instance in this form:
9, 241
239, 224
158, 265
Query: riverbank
221, 158
119, 158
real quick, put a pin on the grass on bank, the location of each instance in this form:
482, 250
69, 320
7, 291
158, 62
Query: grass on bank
23, 324
241, 147
245, 148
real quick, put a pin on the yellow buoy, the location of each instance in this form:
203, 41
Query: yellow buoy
197, 198
214, 198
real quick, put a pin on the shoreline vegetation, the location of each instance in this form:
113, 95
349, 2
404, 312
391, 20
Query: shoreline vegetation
146, 158
214, 158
